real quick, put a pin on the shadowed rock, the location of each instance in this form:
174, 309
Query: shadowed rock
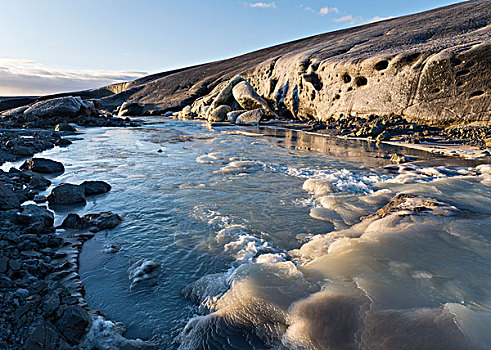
95, 187
67, 194
43, 165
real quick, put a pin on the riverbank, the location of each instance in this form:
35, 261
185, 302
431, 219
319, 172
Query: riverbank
42, 302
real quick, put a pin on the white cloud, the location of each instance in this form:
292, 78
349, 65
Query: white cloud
26, 77
360, 20
262, 5
326, 10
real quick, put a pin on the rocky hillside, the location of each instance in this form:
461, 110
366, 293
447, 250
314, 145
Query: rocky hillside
433, 68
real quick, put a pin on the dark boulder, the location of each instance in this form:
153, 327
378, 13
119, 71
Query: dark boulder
73, 323
67, 194
94, 222
43, 165
8, 199
33, 214
95, 187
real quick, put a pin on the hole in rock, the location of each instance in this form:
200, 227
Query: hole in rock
346, 78
361, 81
382, 65
462, 72
469, 64
337, 97
435, 91
460, 83
476, 93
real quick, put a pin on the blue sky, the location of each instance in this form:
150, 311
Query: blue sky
63, 45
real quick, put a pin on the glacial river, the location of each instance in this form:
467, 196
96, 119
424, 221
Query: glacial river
261, 241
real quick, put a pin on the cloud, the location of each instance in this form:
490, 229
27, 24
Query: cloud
326, 10
262, 5
26, 77
323, 11
360, 20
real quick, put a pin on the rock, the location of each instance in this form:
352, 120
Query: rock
186, 113
4, 264
95, 187
14, 265
67, 194
398, 158
94, 222
130, 108
51, 304
66, 106
39, 182
103, 221
65, 127
232, 116
248, 98
487, 142
42, 335
73, 323
225, 97
410, 204
43, 165
219, 114
40, 198
23, 151
8, 199
384, 136
250, 118
143, 273
74, 222
32, 214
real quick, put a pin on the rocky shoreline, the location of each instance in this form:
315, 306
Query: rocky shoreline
237, 103
42, 302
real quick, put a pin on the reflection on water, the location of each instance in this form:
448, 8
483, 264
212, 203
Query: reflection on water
271, 240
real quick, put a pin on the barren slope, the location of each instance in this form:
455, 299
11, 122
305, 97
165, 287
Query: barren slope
433, 67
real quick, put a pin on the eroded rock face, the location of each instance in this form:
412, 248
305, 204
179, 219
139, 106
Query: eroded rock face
432, 68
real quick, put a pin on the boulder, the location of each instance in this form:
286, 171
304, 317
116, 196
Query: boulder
219, 114
65, 127
8, 199
248, 98
73, 323
232, 116
102, 221
33, 214
74, 222
225, 96
66, 106
41, 335
130, 108
67, 194
186, 113
95, 187
43, 165
94, 222
250, 118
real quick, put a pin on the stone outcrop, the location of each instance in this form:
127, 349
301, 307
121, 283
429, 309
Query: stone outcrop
60, 113
432, 68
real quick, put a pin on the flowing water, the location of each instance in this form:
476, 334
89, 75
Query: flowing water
262, 244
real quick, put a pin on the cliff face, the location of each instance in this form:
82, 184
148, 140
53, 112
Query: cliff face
433, 68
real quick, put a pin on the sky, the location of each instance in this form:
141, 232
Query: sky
50, 46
